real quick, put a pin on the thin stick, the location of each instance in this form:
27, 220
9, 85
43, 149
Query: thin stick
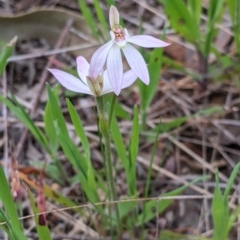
89, 205
51, 52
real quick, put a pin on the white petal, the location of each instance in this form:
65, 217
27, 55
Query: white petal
82, 68
147, 41
70, 82
126, 33
115, 69
136, 62
112, 35
98, 59
113, 16
107, 88
129, 78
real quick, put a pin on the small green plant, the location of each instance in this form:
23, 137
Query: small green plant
185, 19
5, 53
223, 219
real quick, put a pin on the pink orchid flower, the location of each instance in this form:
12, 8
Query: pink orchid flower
94, 86
110, 52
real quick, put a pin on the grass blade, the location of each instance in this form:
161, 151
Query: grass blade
49, 125
101, 16
81, 164
119, 143
79, 128
233, 217
234, 10
8, 227
42, 230
233, 176
118, 109
219, 213
133, 153
195, 9
154, 68
88, 17
6, 53
9, 205
121, 150
181, 20
215, 11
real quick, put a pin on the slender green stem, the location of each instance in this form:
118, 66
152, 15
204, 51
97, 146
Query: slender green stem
111, 110
144, 119
148, 178
100, 106
103, 126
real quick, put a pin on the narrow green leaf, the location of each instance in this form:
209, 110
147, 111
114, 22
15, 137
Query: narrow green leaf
69, 148
111, 109
195, 7
79, 128
59, 121
7, 227
154, 67
118, 142
49, 128
101, 16
133, 153
234, 10
9, 206
49, 125
21, 114
219, 213
122, 153
215, 10
168, 126
71, 151
181, 20
149, 172
125, 209
231, 180
233, 218
42, 230
5, 53
118, 109
135, 138
88, 17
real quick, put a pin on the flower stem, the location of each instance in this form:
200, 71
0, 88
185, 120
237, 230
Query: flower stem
103, 126
144, 119
111, 110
